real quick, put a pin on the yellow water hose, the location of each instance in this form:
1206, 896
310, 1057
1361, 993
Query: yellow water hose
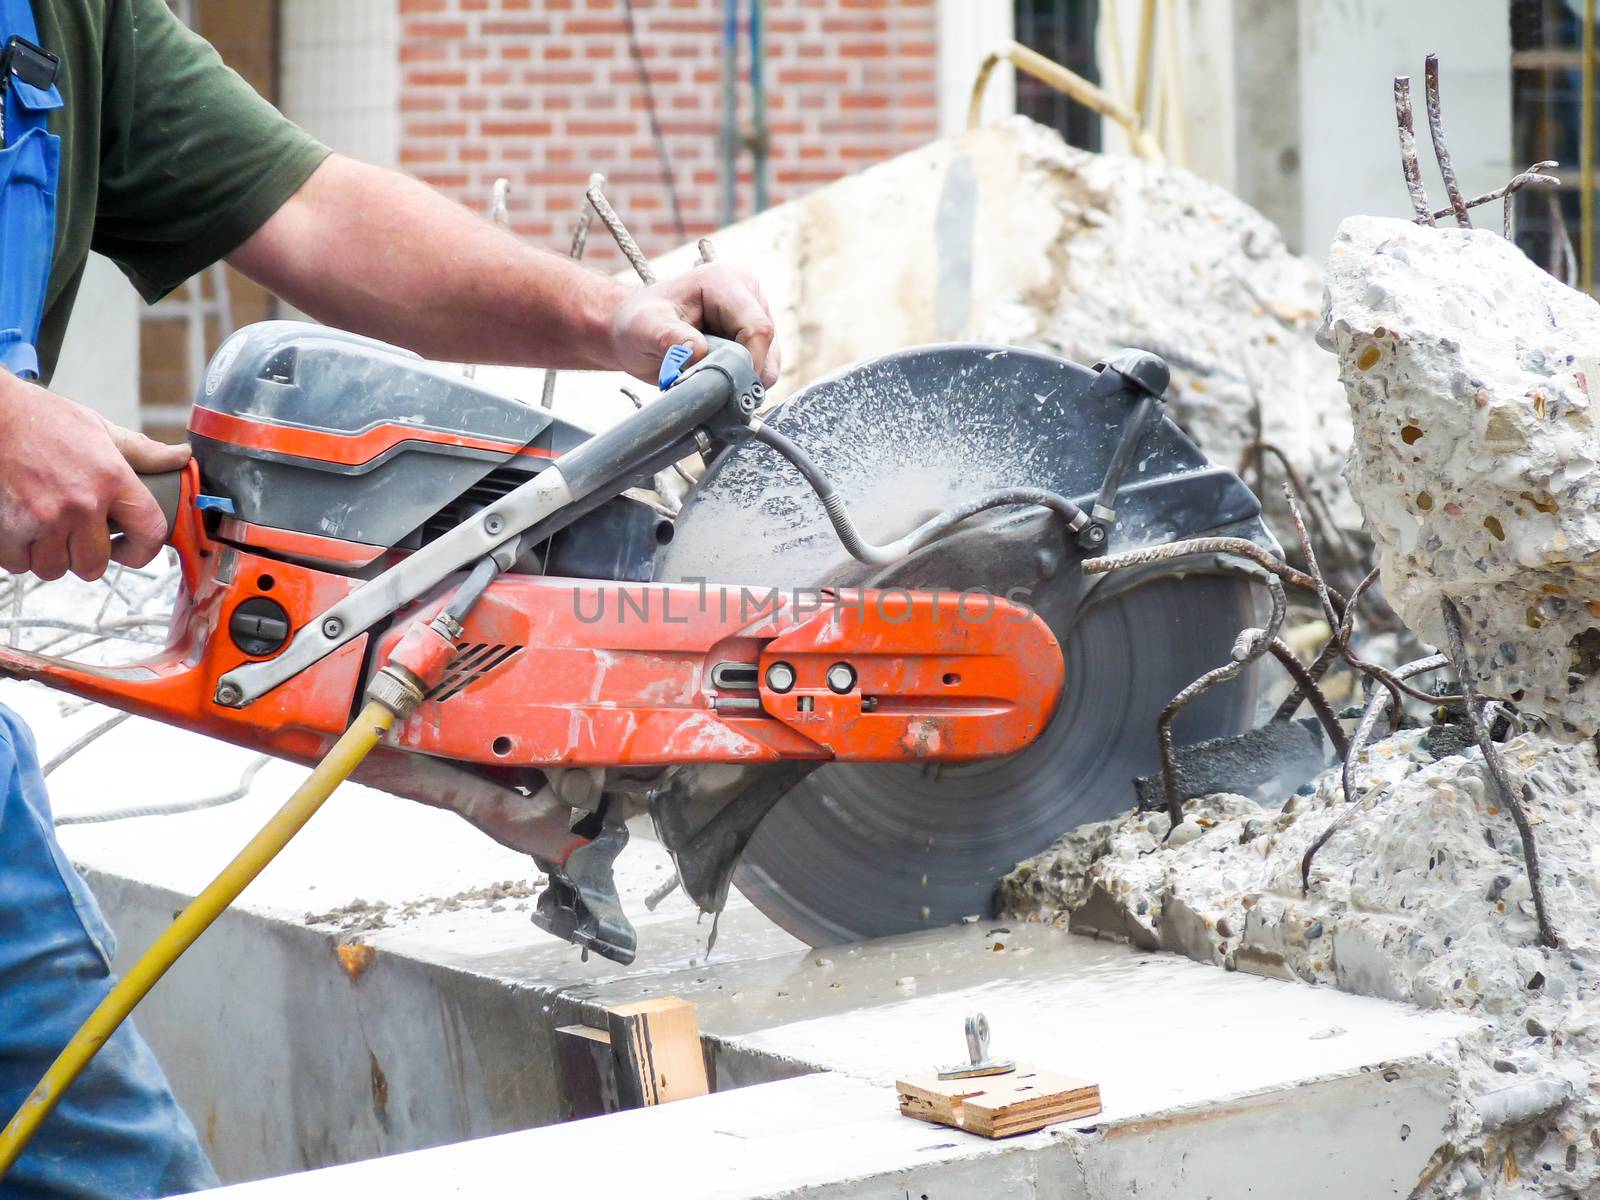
335, 767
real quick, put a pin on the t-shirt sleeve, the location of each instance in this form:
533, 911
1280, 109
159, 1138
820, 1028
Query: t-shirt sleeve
193, 159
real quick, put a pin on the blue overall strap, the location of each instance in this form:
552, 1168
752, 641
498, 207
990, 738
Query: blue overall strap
30, 167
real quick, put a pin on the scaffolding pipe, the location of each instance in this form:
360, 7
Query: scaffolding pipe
1053, 74
728, 167
758, 101
1144, 61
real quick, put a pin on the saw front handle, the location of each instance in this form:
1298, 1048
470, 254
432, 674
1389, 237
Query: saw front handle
167, 489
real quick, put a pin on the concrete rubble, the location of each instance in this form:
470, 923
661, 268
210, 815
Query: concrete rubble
1475, 458
1008, 235
1421, 897
1474, 463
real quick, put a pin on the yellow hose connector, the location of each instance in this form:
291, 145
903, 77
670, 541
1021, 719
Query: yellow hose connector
358, 740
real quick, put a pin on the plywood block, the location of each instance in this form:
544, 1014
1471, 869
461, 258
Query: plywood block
656, 1044
997, 1106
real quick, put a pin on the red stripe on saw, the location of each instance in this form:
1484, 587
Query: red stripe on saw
345, 449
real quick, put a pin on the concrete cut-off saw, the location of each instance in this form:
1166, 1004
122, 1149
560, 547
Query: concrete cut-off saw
863, 735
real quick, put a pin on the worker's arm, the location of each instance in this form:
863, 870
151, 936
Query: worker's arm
66, 471
372, 251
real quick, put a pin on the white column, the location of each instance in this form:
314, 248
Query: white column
341, 74
100, 358
968, 31
1349, 55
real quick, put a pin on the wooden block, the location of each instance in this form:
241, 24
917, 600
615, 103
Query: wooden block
997, 1106
656, 1044
588, 1072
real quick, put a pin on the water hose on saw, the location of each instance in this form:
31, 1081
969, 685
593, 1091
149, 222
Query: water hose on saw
415, 665
881, 556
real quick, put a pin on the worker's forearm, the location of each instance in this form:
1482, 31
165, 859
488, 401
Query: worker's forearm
369, 250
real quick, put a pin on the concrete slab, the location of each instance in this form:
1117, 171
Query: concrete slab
288, 1061
822, 1135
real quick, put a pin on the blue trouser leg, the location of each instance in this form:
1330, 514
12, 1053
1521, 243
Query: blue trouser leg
118, 1132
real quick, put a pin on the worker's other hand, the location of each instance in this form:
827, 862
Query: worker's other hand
719, 298
66, 475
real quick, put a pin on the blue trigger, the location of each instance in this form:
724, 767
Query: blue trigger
672, 364
219, 504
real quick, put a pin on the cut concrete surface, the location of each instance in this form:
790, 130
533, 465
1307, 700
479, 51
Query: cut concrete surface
290, 1055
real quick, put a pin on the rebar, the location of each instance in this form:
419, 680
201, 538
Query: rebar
1408, 150
1319, 702
1250, 645
580, 241
1447, 170
87, 739
1192, 547
1497, 767
1397, 687
1256, 453
1377, 705
1532, 175
619, 231
238, 792
1338, 639
1518, 182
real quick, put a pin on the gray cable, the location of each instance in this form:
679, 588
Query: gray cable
881, 556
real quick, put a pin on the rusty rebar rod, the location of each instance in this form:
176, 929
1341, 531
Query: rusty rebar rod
580, 242
619, 231
1334, 647
1256, 453
1518, 182
1497, 767
1532, 175
1250, 645
1319, 702
1336, 617
1447, 170
1193, 547
1377, 706
1408, 150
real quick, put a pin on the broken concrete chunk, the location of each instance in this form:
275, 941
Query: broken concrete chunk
1006, 234
1469, 372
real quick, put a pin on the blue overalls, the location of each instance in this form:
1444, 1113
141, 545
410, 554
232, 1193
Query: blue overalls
118, 1132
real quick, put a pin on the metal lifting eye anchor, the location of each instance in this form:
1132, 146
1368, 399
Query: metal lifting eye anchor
978, 1054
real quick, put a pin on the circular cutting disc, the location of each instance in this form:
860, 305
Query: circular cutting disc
863, 850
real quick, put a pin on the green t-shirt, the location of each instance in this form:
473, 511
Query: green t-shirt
169, 160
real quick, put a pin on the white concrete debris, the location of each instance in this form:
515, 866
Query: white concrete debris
1468, 370
1422, 897
1007, 235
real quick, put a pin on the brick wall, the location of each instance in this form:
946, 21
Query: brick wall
546, 91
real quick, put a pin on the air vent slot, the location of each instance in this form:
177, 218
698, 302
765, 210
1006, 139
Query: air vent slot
472, 662
485, 492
